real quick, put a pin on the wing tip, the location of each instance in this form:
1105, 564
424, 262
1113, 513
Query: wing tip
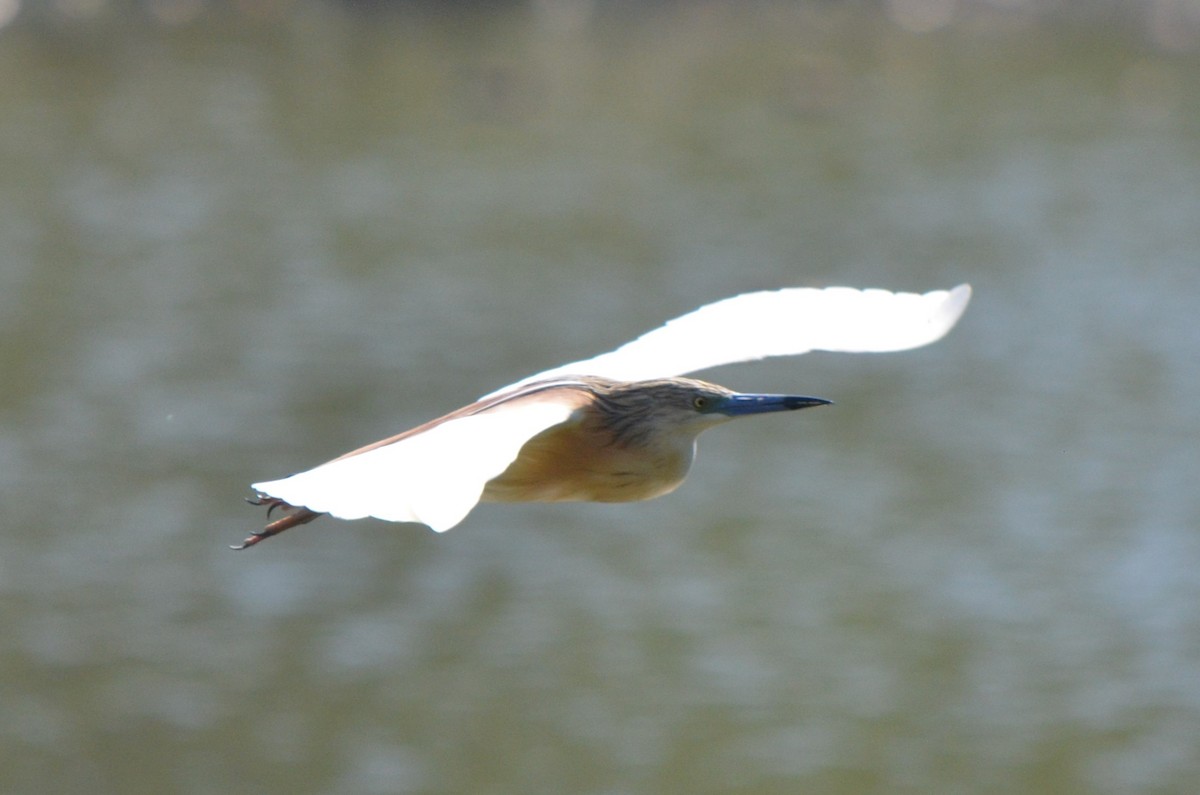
955, 304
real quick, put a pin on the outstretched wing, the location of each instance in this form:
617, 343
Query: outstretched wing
434, 477
777, 323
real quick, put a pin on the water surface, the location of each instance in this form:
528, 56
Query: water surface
235, 247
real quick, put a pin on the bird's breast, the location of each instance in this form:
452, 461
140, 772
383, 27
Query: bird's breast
576, 462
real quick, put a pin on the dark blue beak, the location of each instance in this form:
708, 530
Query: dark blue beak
737, 405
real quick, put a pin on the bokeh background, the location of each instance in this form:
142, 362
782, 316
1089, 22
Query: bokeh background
239, 238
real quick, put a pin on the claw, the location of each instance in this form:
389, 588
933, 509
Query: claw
250, 541
271, 502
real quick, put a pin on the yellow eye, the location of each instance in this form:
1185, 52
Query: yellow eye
700, 403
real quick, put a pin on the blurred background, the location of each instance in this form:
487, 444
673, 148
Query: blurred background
240, 238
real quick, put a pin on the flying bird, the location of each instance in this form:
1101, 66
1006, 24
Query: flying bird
618, 427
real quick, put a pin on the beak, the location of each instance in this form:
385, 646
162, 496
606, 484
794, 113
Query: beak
738, 405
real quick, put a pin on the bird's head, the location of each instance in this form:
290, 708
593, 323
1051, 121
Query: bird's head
682, 406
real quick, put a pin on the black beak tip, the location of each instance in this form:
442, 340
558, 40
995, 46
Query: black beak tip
808, 402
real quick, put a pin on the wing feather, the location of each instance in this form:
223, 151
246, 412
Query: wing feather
777, 323
435, 477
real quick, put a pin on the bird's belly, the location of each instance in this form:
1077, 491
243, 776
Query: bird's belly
586, 486
559, 467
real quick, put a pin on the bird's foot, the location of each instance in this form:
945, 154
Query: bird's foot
292, 518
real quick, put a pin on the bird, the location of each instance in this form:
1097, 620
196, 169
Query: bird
618, 427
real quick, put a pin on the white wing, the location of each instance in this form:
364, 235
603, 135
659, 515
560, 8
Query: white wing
435, 477
777, 323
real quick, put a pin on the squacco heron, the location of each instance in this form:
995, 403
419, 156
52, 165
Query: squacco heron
619, 427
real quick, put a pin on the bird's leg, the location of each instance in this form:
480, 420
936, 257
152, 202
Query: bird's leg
293, 518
